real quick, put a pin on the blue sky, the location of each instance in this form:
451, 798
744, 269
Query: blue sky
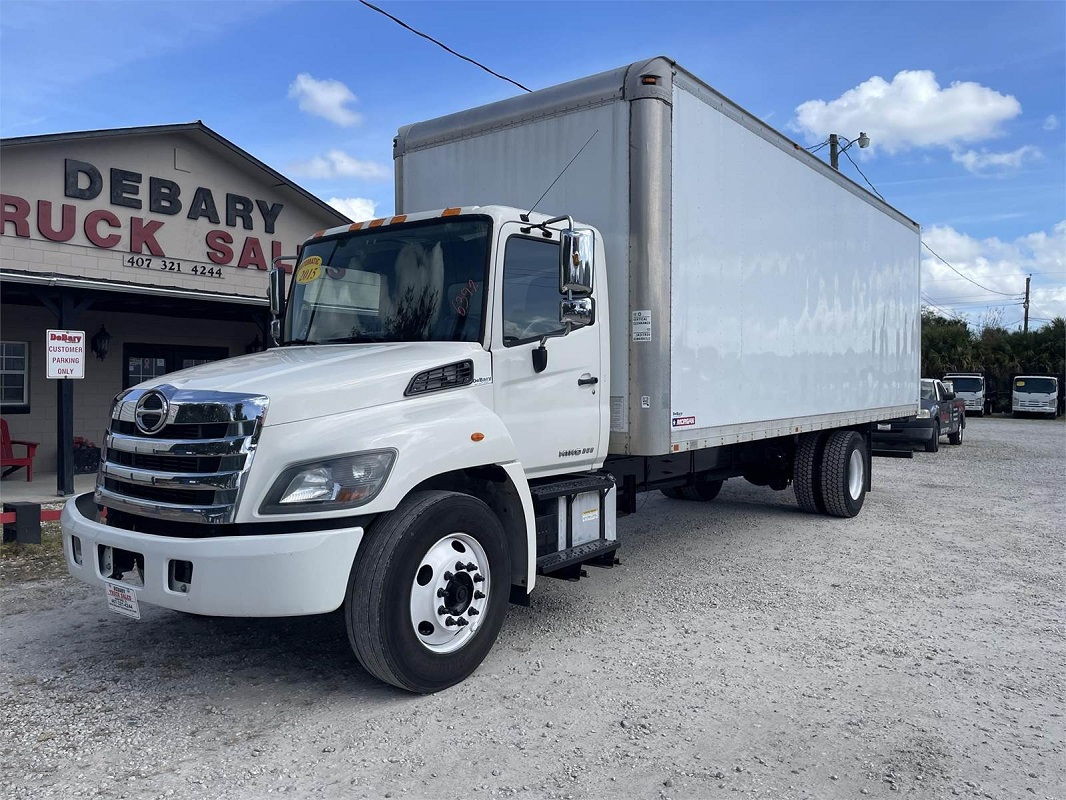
965, 102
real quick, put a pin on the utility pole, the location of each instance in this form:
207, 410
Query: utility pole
834, 151
1025, 324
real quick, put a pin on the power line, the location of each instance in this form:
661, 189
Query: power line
852, 160
971, 280
442, 45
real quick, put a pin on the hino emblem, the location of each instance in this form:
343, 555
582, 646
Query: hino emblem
150, 413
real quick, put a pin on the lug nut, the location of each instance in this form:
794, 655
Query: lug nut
448, 576
472, 611
462, 621
459, 566
450, 621
471, 566
442, 610
479, 595
478, 578
441, 592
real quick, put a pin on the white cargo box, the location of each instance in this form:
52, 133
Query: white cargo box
754, 291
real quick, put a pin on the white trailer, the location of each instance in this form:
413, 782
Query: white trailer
464, 399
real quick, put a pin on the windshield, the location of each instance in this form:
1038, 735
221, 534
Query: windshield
1034, 385
928, 393
967, 384
419, 282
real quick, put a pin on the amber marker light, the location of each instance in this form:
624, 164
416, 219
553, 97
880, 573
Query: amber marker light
477, 437
450, 212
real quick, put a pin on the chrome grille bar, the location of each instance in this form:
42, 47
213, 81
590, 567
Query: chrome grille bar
180, 431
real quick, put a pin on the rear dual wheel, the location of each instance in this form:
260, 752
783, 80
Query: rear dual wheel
428, 591
829, 473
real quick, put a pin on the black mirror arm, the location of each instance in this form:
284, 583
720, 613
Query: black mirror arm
540, 352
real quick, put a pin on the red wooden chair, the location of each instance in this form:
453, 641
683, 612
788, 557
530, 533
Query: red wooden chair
8, 462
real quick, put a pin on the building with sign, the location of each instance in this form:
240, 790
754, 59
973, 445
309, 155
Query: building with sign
155, 243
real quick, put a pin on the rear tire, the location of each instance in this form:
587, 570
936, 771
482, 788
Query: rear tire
933, 445
844, 465
807, 472
956, 438
388, 572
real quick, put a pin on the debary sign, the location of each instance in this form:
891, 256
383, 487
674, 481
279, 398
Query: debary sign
65, 354
166, 200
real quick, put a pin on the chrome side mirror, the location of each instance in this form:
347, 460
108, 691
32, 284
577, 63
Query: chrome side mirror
576, 261
577, 312
277, 292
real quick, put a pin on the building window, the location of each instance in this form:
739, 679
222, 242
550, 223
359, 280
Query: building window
15, 377
144, 362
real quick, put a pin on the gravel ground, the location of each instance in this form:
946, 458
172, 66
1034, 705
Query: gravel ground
743, 649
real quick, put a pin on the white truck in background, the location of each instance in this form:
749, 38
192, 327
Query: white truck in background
1035, 394
465, 399
969, 387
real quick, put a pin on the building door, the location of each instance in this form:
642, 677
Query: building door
144, 362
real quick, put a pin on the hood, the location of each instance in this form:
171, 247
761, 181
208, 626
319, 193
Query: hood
315, 381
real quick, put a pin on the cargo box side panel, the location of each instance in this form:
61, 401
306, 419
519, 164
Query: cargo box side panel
513, 164
793, 298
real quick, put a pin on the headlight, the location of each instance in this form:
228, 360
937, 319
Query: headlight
923, 413
343, 482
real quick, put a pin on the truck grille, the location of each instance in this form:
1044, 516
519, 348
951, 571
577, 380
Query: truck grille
180, 455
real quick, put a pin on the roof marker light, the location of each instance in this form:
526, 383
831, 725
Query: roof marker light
376, 223
355, 226
450, 212
398, 219
317, 234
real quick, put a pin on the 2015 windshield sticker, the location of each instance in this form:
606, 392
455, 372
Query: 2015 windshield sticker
310, 269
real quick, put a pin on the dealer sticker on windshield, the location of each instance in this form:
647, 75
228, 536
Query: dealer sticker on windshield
310, 269
123, 601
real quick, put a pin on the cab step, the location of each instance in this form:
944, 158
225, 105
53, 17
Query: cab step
566, 564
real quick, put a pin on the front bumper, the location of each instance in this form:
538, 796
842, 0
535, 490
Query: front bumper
916, 430
274, 575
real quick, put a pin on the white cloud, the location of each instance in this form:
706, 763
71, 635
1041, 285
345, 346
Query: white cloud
338, 164
356, 209
1051, 122
911, 110
1000, 266
328, 99
987, 163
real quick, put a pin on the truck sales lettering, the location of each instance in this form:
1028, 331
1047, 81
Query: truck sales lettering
125, 189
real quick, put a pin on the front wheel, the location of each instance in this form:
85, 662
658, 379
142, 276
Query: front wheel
428, 591
934, 443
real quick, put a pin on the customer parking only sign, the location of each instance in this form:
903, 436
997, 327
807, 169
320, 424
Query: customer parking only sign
66, 354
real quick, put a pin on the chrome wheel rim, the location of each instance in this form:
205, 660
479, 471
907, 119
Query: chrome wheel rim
450, 593
856, 474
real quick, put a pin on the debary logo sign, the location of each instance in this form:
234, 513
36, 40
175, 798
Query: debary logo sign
125, 189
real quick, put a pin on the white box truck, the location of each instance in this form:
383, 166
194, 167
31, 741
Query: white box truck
970, 387
465, 398
1035, 394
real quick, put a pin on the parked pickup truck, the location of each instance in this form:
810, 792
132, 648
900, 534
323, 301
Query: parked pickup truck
941, 413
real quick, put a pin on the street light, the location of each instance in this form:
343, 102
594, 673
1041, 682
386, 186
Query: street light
835, 149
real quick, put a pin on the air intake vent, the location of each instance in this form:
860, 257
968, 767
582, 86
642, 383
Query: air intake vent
461, 373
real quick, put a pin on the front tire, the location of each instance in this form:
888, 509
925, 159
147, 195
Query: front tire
933, 445
408, 563
844, 481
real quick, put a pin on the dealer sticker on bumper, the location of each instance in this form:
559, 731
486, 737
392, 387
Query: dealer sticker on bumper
123, 601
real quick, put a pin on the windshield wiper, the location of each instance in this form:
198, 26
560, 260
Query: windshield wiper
355, 340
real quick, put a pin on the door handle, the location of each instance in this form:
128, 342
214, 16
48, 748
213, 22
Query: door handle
587, 380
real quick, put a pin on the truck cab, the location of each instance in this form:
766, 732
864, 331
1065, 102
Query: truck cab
970, 387
1035, 394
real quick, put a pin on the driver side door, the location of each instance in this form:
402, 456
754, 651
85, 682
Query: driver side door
553, 416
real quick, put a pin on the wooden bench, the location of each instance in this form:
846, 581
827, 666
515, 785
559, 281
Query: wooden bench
8, 462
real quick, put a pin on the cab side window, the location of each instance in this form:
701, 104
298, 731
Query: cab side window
531, 294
